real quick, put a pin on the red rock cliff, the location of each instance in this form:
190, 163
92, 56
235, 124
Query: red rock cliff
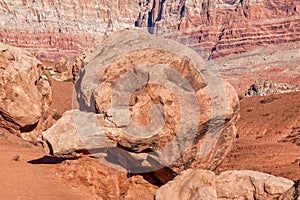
55, 28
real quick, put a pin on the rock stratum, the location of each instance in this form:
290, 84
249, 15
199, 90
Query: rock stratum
65, 28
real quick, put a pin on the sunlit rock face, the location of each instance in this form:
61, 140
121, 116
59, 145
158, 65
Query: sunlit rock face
65, 28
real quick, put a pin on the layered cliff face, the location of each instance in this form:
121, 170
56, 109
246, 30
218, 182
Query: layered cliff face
56, 28
226, 27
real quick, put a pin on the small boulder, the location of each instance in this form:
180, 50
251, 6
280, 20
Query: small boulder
77, 131
189, 185
251, 185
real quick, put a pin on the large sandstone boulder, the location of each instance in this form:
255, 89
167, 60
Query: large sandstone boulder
24, 92
248, 184
162, 98
189, 185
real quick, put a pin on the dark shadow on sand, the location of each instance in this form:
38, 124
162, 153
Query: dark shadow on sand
46, 160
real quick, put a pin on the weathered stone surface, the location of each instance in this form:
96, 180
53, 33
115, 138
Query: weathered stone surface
248, 184
77, 131
293, 193
265, 87
78, 64
67, 28
25, 94
189, 185
103, 182
131, 71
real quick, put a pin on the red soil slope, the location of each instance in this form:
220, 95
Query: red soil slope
264, 122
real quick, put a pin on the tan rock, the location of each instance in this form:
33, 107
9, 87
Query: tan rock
293, 193
78, 64
266, 87
77, 131
248, 184
25, 94
189, 185
195, 112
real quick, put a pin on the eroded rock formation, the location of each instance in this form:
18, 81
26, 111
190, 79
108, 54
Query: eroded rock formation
229, 185
25, 93
102, 182
247, 184
158, 106
67, 28
265, 87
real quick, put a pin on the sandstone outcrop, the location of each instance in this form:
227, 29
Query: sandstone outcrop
265, 87
190, 184
25, 93
162, 98
67, 28
293, 193
229, 185
248, 184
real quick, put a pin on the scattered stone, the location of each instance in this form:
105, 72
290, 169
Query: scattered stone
16, 158
266, 87
3, 135
293, 137
52, 73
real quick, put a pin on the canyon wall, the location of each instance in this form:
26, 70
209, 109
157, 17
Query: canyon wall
65, 28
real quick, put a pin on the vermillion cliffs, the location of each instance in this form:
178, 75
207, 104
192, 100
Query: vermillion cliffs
143, 117
65, 28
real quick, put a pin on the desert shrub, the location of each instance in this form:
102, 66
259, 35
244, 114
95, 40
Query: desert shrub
69, 80
56, 116
3, 135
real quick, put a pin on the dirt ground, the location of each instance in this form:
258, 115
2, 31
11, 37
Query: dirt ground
264, 123
26, 174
